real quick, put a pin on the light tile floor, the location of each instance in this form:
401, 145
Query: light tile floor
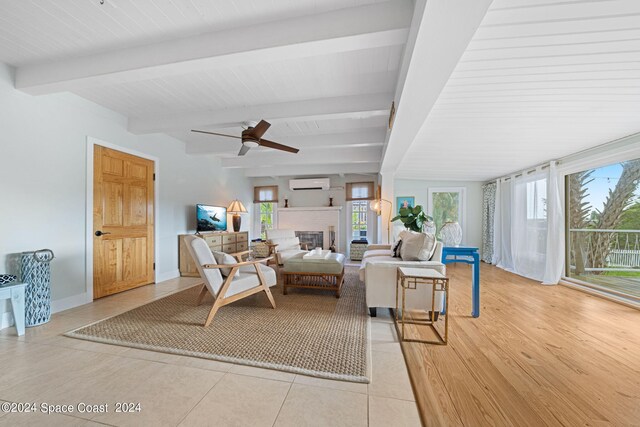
45, 367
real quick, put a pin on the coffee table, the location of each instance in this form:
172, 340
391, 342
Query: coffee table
327, 274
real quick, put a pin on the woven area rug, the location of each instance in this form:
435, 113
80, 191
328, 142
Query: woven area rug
310, 332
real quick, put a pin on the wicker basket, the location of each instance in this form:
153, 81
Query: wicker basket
260, 249
357, 250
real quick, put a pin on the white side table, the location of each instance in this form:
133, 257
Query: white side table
15, 292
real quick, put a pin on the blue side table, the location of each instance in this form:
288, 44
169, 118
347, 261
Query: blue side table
467, 255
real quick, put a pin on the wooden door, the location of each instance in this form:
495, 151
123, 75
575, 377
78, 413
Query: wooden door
123, 222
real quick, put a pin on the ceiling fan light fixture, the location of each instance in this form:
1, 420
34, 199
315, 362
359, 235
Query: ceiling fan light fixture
252, 137
251, 143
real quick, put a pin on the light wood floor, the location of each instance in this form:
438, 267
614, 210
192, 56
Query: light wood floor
43, 366
537, 355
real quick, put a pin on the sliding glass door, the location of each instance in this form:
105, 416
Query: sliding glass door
603, 223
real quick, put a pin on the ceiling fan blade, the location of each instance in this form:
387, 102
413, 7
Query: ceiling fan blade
259, 129
214, 133
271, 144
243, 150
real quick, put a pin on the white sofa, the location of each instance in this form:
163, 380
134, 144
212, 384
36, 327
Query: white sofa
379, 273
288, 244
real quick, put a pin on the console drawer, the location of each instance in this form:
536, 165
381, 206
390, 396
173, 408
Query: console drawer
213, 240
230, 249
228, 238
242, 246
243, 237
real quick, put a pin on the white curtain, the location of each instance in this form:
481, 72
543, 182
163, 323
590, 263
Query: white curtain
528, 214
555, 227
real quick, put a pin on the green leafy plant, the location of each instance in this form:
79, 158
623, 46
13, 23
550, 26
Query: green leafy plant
413, 218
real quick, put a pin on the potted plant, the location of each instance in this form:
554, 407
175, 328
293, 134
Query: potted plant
413, 218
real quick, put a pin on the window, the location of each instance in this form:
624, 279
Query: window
537, 200
359, 191
359, 211
266, 217
265, 200
603, 222
447, 205
358, 195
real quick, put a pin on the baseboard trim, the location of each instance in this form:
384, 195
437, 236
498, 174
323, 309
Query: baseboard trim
69, 302
168, 275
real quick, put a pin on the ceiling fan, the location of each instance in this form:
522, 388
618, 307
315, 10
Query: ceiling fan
252, 137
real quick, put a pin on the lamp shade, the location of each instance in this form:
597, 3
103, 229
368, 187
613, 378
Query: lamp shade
374, 205
236, 207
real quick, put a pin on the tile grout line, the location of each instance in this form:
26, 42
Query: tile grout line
89, 420
282, 405
201, 399
368, 408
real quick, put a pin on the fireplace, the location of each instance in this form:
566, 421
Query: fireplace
311, 219
313, 239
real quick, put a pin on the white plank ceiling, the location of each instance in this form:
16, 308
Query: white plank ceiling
323, 72
541, 79
33, 31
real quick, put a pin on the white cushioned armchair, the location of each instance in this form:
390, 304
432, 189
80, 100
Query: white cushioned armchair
288, 244
244, 278
379, 273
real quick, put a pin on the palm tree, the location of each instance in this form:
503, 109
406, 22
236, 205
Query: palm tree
617, 201
579, 217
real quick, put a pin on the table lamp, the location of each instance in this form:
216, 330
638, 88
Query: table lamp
236, 208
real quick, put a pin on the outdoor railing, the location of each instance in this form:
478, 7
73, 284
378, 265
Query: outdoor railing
596, 250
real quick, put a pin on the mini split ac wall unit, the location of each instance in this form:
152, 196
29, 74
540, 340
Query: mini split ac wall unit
309, 184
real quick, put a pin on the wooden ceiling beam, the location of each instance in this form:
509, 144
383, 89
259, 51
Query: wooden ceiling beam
343, 30
357, 106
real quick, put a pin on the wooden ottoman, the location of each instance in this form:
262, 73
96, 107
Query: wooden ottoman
325, 273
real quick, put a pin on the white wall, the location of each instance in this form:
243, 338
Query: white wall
43, 178
420, 190
318, 198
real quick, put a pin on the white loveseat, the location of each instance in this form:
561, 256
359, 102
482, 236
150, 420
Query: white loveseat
379, 273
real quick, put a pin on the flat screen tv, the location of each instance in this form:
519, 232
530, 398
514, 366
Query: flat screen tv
211, 218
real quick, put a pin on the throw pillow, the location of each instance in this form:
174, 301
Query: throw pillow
404, 233
396, 249
222, 258
428, 247
412, 244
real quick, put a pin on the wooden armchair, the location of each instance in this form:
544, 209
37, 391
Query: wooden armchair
245, 278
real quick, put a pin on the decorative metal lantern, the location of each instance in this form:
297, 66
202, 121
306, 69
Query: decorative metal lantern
451, 234
36, 273
429, 227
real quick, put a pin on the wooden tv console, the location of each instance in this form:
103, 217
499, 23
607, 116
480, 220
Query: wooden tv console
227, 241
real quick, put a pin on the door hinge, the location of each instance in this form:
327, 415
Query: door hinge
154, 176
154, 266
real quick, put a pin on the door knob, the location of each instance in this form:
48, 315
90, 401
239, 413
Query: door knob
100, 233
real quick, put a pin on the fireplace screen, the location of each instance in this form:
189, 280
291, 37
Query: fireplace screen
313, 239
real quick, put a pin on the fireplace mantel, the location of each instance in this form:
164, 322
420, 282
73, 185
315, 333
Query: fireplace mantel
312, 208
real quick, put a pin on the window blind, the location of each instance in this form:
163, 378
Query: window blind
267, 193
359, 191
